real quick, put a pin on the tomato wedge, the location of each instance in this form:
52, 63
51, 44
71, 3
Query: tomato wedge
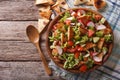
80, 48
68, 22
83, 68
77, 55
90, 33
70, 43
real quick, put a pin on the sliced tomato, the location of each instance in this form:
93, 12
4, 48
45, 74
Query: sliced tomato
98, 17
77, 46
68, 22
85, 19
65, 49
72, 50
90, 33
83, 68
77, 54
80, 48
70, 43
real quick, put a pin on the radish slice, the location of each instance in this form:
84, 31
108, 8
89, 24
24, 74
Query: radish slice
91, 24
70, 18
100, 27
80, 12
73, 13
94, 53
59, 49
87, 55
99, 57
72, 24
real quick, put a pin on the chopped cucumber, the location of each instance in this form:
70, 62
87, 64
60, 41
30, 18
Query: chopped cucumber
96, 39
102, 21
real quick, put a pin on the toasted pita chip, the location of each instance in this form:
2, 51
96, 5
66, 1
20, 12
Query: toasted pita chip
99, 4
45, 14
60, 4
56, 7
44, 8
42, 23
64, 5
51, 2
89, 3
38, 2
77, 2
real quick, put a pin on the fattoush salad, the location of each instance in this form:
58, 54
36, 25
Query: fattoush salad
80, 39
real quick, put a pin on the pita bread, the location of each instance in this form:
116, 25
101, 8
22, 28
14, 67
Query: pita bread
42, 23
38, 2
45, 14
56, 7
64, 5
89, 3
99, 4
44, 8
51, 2
77, 2
60, 4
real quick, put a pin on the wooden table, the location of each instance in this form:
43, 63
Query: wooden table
19, 59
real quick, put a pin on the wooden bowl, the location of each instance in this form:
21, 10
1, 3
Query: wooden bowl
54, 21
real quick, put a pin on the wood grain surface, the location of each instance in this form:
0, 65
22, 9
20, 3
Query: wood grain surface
18, 10
19, 59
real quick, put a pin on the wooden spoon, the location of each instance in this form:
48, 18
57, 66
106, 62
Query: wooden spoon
33, 36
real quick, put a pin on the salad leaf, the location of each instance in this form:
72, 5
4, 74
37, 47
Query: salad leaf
104, 50
51, 38
65, 16
84, 39
108, 37
70, 62
99, 33
90, 63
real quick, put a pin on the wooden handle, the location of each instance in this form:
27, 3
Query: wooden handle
48, 70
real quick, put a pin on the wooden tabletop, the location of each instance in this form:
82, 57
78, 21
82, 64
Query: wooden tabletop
19, 59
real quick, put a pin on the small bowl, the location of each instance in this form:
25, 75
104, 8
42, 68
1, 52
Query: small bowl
54, 21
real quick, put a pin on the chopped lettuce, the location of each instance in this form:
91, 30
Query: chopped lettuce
65, 16
51, 38
91, 27
84, 39
99, 33
108, 37
90, 63
70, 62
104, 50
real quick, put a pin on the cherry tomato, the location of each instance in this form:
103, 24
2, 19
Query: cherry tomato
70, 43
83, 68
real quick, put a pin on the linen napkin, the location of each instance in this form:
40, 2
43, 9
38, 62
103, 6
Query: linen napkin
111, 69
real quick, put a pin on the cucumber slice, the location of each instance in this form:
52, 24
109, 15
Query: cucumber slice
95, 39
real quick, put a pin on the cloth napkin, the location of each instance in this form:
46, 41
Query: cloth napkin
111, 69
